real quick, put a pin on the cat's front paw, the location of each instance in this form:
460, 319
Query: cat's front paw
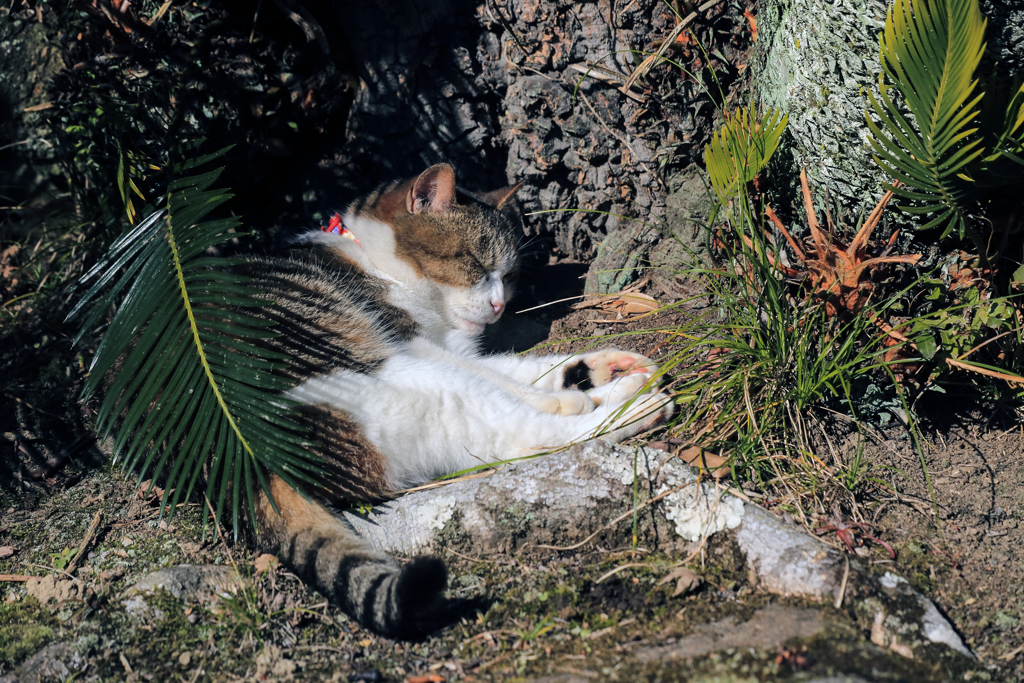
598, 368
621, 389
564, 403
646, 411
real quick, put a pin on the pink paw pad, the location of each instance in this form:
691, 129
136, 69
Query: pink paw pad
624, 366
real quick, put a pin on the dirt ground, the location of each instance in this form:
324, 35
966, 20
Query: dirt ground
538, 616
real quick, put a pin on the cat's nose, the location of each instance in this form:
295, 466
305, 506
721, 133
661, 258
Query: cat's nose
497, 306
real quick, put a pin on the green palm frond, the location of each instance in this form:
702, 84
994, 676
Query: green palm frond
1003, 112
740, 149
190, 388
930, 50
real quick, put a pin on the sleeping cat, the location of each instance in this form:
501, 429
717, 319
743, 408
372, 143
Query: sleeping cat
381, 315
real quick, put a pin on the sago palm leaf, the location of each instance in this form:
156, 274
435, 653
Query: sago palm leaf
930, 50
740, 149
190, 388
1003, 113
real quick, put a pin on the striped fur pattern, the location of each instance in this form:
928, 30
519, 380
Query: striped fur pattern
383, 334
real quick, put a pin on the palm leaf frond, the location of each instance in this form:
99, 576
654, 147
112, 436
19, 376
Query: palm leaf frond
741, 148
189, 384
930, 50
1003, 111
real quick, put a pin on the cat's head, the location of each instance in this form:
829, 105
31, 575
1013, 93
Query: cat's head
453, 251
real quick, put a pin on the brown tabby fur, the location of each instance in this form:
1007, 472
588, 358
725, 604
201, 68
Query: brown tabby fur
332, 315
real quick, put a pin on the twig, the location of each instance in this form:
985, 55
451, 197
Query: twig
465, 557
551, 303
160, 12
648, 64
616, 520
51, 570
606, 75
446, 482
689, 558
220, 535
86, 541
305, 21
494, 661
1006, 377
5, 578
620, 568
842, 584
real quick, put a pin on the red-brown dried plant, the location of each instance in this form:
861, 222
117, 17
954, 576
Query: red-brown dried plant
840, 275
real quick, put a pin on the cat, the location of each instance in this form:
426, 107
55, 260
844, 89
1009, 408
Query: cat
382, 315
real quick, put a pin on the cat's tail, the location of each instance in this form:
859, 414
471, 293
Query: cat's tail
395, 600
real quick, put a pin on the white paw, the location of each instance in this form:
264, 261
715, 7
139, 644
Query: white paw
565, 403
574, 403
621, 389
608, 364
646, 411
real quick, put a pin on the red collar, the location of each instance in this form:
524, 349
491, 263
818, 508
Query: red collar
337, 227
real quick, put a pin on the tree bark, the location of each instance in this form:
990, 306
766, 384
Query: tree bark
816, 59
531, 90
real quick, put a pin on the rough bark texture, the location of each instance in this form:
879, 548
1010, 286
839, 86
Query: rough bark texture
571, 498
818, 71
530, 90
430, 79
27, 61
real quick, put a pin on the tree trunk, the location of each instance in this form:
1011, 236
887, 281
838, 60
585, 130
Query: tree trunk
531, 90
818, 71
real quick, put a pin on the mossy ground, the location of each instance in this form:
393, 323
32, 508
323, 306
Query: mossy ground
549, 615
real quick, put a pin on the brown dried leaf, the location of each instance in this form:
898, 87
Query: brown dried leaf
686, 581
148, 489
629, 304
264, 562
695, 456
7, 550
7, 261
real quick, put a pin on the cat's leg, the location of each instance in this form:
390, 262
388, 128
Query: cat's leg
372, 587
507, 376
580, 372
556, 384
430, 418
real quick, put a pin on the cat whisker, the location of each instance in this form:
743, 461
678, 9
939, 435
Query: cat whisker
551, 303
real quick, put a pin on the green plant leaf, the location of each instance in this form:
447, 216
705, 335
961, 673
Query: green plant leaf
190, 384
930, 51
927, 346
740, 149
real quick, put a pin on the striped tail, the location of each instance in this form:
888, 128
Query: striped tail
395, 600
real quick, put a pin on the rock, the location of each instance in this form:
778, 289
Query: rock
194, 584
562, 500
768, 629
57, 661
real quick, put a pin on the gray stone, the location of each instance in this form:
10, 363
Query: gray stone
56, 662
768, 629
192, 584
563, 499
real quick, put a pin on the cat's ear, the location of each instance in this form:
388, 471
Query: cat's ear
500, 197
434, 190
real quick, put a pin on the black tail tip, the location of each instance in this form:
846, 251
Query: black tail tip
420, 593
420, 590
421, 582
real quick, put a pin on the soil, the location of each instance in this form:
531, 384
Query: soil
552, 617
